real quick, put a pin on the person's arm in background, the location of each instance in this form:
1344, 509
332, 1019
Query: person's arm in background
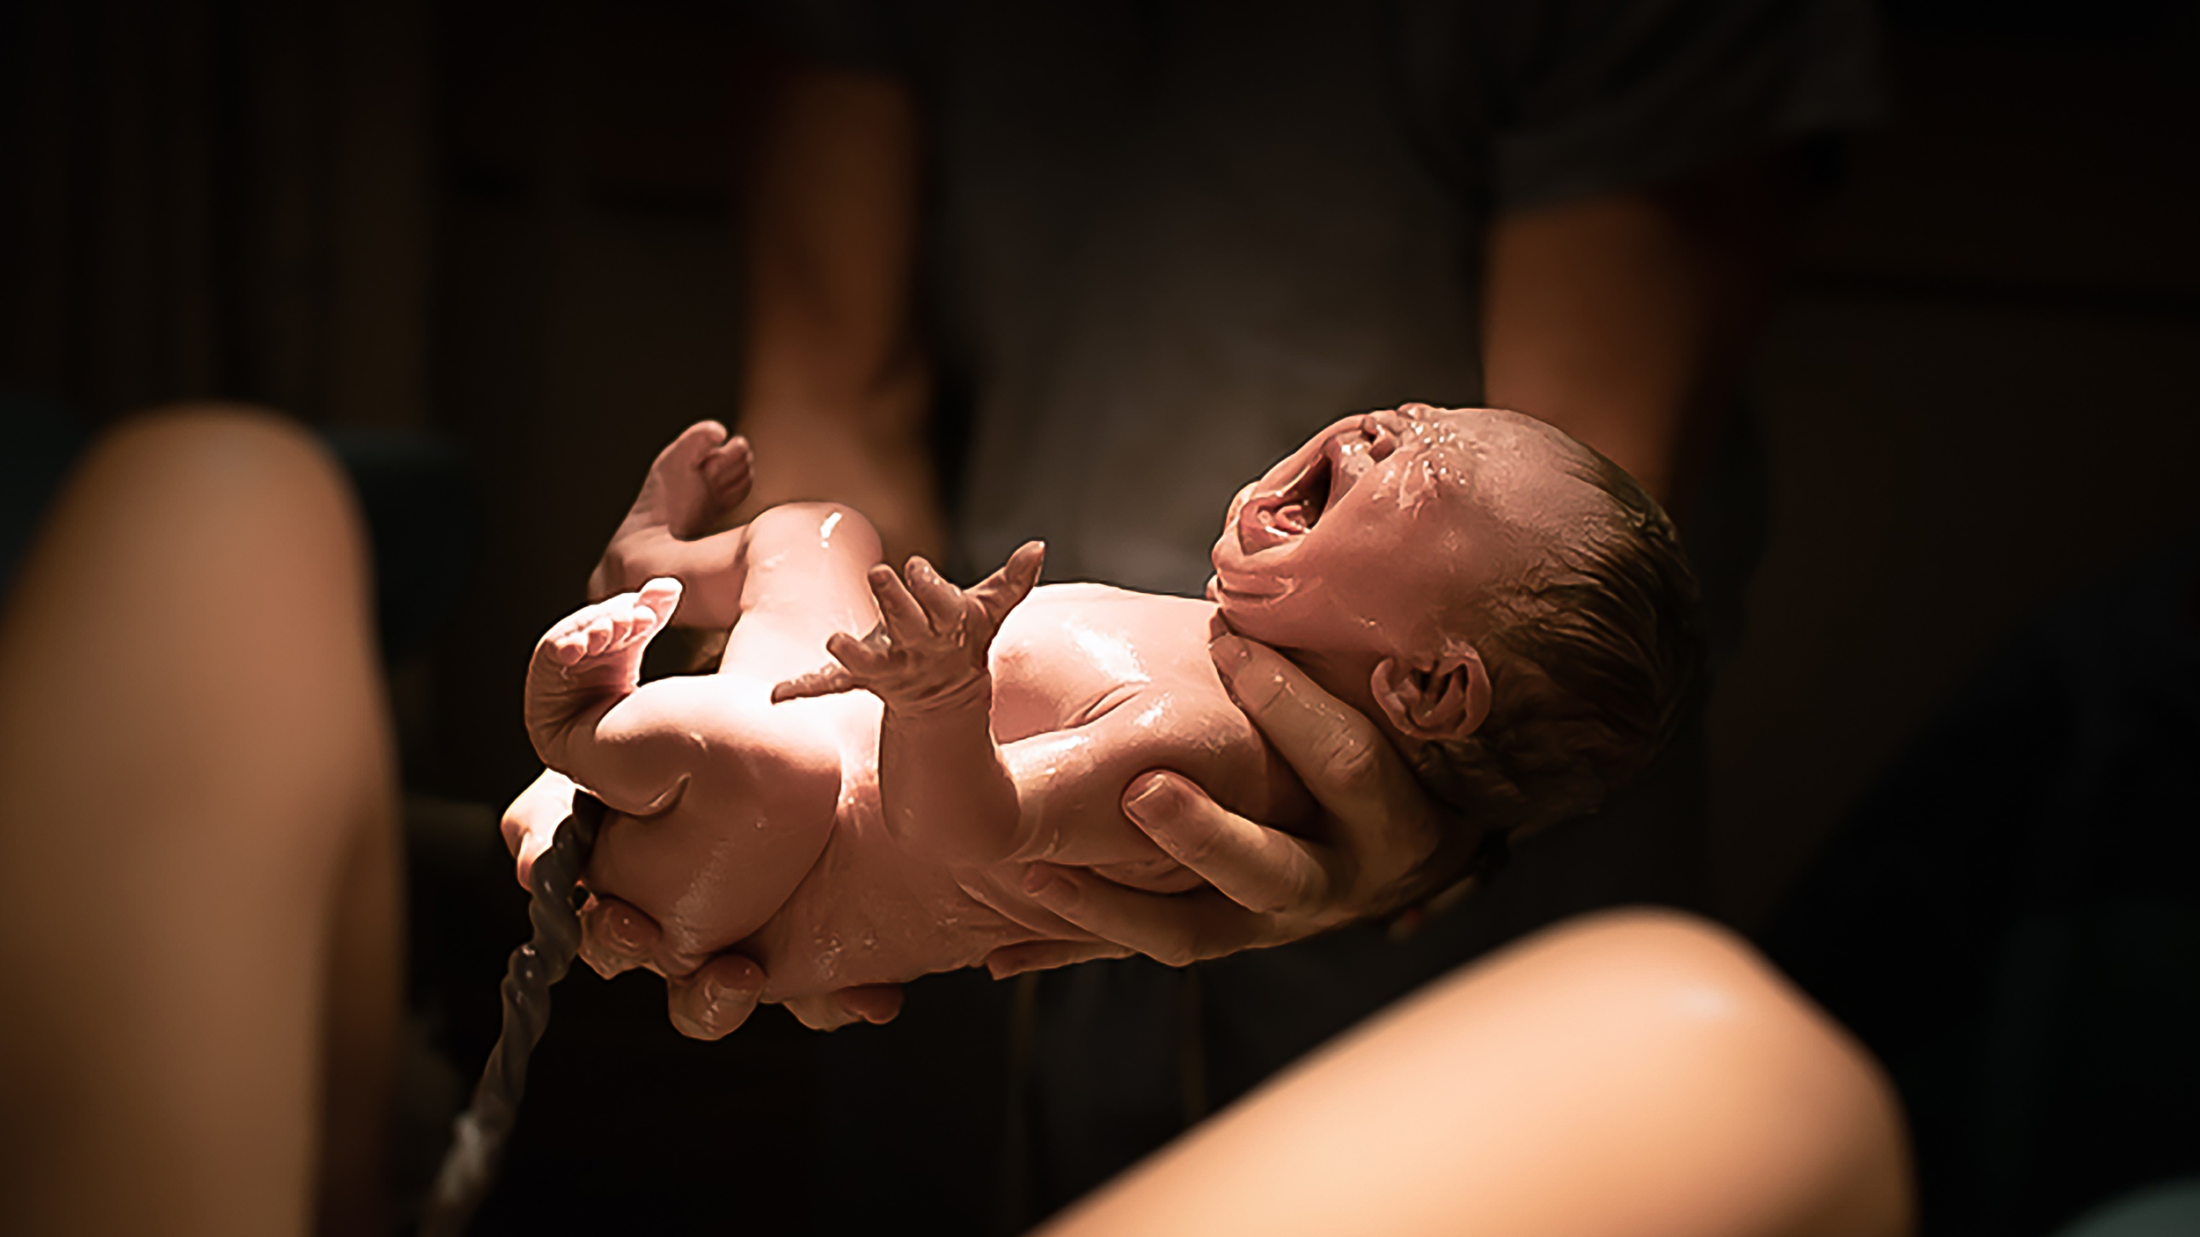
836, 392
1626, 318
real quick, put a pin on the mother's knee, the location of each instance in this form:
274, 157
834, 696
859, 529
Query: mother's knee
221, 482
217, 451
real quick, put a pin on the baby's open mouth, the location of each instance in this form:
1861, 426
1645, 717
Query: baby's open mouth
1300, 506
1271, 520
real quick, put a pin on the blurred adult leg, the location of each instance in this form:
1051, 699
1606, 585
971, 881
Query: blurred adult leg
199, 905
1628, 1074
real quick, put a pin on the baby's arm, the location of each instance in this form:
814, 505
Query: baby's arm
582, 713
1071, 783
942, 782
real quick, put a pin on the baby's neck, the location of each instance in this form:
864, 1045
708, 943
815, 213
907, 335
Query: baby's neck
1347, 676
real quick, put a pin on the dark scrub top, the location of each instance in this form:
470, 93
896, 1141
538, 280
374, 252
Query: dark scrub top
1168, 242
1165, 243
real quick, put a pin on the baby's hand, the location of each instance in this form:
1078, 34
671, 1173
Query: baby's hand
929, 650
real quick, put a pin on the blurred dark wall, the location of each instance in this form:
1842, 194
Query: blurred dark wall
1979, 393
217, 197
511, 224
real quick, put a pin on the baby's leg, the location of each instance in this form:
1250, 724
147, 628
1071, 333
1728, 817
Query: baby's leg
806, 579
694, 484
725, 801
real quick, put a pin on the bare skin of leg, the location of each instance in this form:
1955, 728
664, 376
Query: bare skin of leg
692, 486
784, 583
199, 913
1630, 1074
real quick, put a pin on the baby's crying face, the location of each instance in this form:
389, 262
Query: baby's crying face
1383, 532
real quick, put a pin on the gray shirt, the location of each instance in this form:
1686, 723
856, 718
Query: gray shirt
1166, 242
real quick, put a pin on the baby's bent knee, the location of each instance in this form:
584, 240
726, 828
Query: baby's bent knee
831, 525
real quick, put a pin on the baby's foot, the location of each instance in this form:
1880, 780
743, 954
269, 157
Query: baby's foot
694, 484
592, 658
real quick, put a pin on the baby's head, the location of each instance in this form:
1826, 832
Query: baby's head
1507, 604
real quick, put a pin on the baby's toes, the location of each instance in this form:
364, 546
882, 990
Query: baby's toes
661, 597
600, 631
568, 641
619, 629
636, 624
729, 469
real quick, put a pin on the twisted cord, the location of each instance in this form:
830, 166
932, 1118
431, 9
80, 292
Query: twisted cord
481, 1132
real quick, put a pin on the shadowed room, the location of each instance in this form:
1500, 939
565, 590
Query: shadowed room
493, 257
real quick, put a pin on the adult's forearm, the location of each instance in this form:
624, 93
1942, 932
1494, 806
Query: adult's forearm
836, 395
840, 454
1626, 319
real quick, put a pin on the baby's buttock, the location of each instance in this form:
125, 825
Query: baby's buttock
869, 912
756, 808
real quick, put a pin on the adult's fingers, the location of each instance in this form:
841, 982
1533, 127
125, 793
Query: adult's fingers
1259, 868
831, 1011
1047, 955
873, 1003
1340, 755
615, 937
531, 822
715, 998
1174, 929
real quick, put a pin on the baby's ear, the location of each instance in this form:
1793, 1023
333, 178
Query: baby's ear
1446, 700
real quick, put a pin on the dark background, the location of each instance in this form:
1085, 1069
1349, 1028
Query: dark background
511, 225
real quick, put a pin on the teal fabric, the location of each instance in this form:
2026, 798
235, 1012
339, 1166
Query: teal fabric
39, 441
2171, 1209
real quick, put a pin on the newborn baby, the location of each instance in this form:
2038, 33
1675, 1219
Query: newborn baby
846, 810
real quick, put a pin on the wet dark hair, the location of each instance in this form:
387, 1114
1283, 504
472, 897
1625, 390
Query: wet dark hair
1592, 665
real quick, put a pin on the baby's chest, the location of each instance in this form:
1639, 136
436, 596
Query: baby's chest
1073, 653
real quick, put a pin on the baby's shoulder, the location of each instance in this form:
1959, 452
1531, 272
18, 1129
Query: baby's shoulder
1075, 652
1084, 629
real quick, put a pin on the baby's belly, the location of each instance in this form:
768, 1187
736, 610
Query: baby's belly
869, 913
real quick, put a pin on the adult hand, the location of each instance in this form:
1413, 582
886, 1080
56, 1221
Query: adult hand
1376, 847
707, 998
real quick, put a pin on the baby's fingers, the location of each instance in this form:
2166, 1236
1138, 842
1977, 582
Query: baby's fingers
942, 602
1000, 592
830, 681
899, 612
